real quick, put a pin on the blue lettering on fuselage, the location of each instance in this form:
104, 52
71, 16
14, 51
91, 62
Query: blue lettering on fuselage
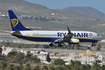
62, 34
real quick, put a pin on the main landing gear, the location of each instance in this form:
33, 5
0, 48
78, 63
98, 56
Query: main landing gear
93, 44
59, 45
52, 44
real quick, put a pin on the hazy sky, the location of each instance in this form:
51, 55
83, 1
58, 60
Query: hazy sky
60, 4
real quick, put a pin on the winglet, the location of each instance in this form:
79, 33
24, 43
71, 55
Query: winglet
69, 31
15, 23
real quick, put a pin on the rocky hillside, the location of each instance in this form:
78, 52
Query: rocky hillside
88, 11
21, 6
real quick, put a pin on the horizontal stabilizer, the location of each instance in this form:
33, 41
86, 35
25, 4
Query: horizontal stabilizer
5, 31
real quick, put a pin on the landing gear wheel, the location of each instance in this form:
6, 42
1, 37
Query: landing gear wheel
51, 44
59, 45
93, 44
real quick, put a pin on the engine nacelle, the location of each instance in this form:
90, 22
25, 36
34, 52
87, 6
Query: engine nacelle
74, 41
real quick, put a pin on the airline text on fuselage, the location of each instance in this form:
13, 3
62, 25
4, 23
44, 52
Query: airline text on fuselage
63, 34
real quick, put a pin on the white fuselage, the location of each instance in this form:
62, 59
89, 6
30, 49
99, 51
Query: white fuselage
50, 36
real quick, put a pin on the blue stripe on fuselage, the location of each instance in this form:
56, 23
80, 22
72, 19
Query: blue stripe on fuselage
39, 39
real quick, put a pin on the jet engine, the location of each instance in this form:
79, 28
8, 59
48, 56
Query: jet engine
74, 41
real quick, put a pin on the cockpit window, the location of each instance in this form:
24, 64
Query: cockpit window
97, 34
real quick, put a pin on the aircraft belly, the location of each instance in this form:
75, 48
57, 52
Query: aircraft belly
39, 39
88, 40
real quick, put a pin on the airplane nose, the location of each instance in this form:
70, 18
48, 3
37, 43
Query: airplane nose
100, 38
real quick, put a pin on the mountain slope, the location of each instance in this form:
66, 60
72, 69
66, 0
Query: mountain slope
21, 6
89, 11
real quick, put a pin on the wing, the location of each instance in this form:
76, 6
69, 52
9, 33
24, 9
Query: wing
66, 38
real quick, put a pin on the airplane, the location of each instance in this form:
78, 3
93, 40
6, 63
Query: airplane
55, 37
